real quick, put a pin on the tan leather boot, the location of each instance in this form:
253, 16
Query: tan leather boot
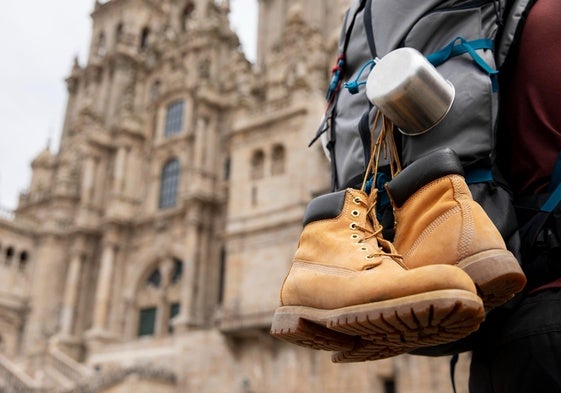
438, 222
347, 285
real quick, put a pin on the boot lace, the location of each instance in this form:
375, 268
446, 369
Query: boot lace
383, 248
385, 142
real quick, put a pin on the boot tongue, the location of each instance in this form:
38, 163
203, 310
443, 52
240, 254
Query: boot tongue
373, 223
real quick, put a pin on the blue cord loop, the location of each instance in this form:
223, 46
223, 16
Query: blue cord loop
354, 85
459, 46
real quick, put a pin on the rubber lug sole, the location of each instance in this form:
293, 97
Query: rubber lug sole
306, 327
381, 329
496, 274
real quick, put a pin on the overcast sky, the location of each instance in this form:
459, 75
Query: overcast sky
38, 41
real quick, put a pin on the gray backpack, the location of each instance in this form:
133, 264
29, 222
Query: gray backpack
459, 35
470, 128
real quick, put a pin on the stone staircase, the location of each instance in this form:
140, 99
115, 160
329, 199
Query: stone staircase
65, 372
60, 373
14, 380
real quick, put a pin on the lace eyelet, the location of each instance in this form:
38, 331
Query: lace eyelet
364, 249
355, 213
369, 257
352, 226
356, 200
354, 236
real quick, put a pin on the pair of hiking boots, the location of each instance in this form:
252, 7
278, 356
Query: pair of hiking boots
353, 292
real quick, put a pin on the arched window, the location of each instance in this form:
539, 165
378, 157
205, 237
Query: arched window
278, 160
185, 15
101, 45
257, 165
22, 261
169, 184
9, 255
119, 33
155, 279
159, 298
177, 271
144, 35
227, 168
174, 118
147, 321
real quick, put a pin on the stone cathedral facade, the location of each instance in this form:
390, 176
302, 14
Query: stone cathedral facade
148, 252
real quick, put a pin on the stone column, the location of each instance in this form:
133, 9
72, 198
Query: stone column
71, 292
207, 290
88, 180
162, 313
189, 113
131, 318
119, 174
185, 317
200, 143
103, 290
212, 151
46, 291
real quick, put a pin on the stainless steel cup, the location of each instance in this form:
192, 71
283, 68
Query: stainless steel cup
409, 91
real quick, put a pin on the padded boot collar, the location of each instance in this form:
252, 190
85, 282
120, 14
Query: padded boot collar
325, 207
424, 170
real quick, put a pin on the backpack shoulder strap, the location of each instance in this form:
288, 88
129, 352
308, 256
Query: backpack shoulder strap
368, 28
516, 13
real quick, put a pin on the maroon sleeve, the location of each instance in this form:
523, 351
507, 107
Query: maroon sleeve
533, 99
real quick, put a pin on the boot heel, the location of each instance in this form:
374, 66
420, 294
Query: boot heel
290, 326
497, 276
